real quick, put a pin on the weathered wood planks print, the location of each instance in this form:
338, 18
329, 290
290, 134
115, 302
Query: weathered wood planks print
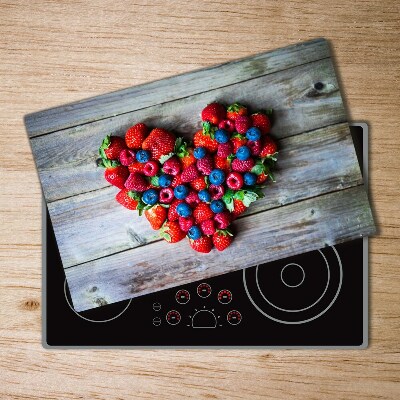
318, 198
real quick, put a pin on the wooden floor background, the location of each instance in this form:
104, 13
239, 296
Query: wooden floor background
52, 53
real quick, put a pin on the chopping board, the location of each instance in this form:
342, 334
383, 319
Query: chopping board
110, 254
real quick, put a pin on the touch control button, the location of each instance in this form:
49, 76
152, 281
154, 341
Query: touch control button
182, 296
234, 317
173, 317
225, 296
156, 306
204, 290
156, 321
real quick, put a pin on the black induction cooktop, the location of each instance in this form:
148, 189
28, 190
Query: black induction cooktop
316, 299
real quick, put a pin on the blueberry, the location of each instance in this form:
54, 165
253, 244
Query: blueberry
199, 152
204, 195
143, 156
165, 180
217, 177
253, 134
150, 197
243, 153
217, 206
181, 192
184, 210
221, 136
249, 178
194, 232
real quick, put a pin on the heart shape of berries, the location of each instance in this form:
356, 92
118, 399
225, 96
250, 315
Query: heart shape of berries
195, 190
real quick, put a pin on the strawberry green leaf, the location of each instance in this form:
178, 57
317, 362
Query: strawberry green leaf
227, 198
154, 181
269, 111
258, 169
134, 195
165, 157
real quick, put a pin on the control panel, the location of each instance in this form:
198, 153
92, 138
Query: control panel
205, 308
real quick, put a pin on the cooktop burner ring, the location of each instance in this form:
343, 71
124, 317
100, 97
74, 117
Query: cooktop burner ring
274, 315
93, 320
302, 271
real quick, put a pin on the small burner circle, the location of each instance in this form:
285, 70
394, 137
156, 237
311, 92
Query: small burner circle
294, 275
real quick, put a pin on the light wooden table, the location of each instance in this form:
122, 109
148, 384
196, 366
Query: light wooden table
53, 53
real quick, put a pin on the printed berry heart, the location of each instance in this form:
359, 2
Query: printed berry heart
194, 190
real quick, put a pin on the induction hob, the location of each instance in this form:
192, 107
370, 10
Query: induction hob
316, 299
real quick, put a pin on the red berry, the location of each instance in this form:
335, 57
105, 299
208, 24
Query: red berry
202, 245
238, 208
151, 168
199, 183
189, 174
261, 178
227, 125
213, 113
235, 110
222, 163
225, 149
172, 166
237, 141
262, 122
136, 182
111, 147
171, 232
206, 164
204, 138
255, 147
186, 223
242, 166
166, 195
242, 124
234, 180
208, 227
135, 136
222, 219
216, 191
176, 181
127, 157
202, 213
222, 239
269, 147
172, 214
127, 199
136, 167
160, 142
192, 198
156, 215
115, 174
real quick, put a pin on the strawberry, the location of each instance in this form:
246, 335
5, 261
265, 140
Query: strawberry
242, 166
192, 198
160, 142
237, 141
238, 208
128, 199
269, 148
254, 146
205, 138
136, 167
172, 166
235, 110
111, 147
222, 163
156, 215
136, 182
176, 181
225, 149
135, 136
189, 174
242, 123
222, 219
202, 245
213, 113
172, 214
216, 191
126, 157
199, 183
261, 178
261, 121
205, 165
186, 223
202, 213
208, 227
222, 239
115, 173
184, 153
171, 232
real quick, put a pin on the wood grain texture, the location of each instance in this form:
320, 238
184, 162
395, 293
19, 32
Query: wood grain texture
57, 52
66, 159
294, 229
310, 164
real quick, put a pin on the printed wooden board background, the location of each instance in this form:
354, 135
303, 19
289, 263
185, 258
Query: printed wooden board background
318, 199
